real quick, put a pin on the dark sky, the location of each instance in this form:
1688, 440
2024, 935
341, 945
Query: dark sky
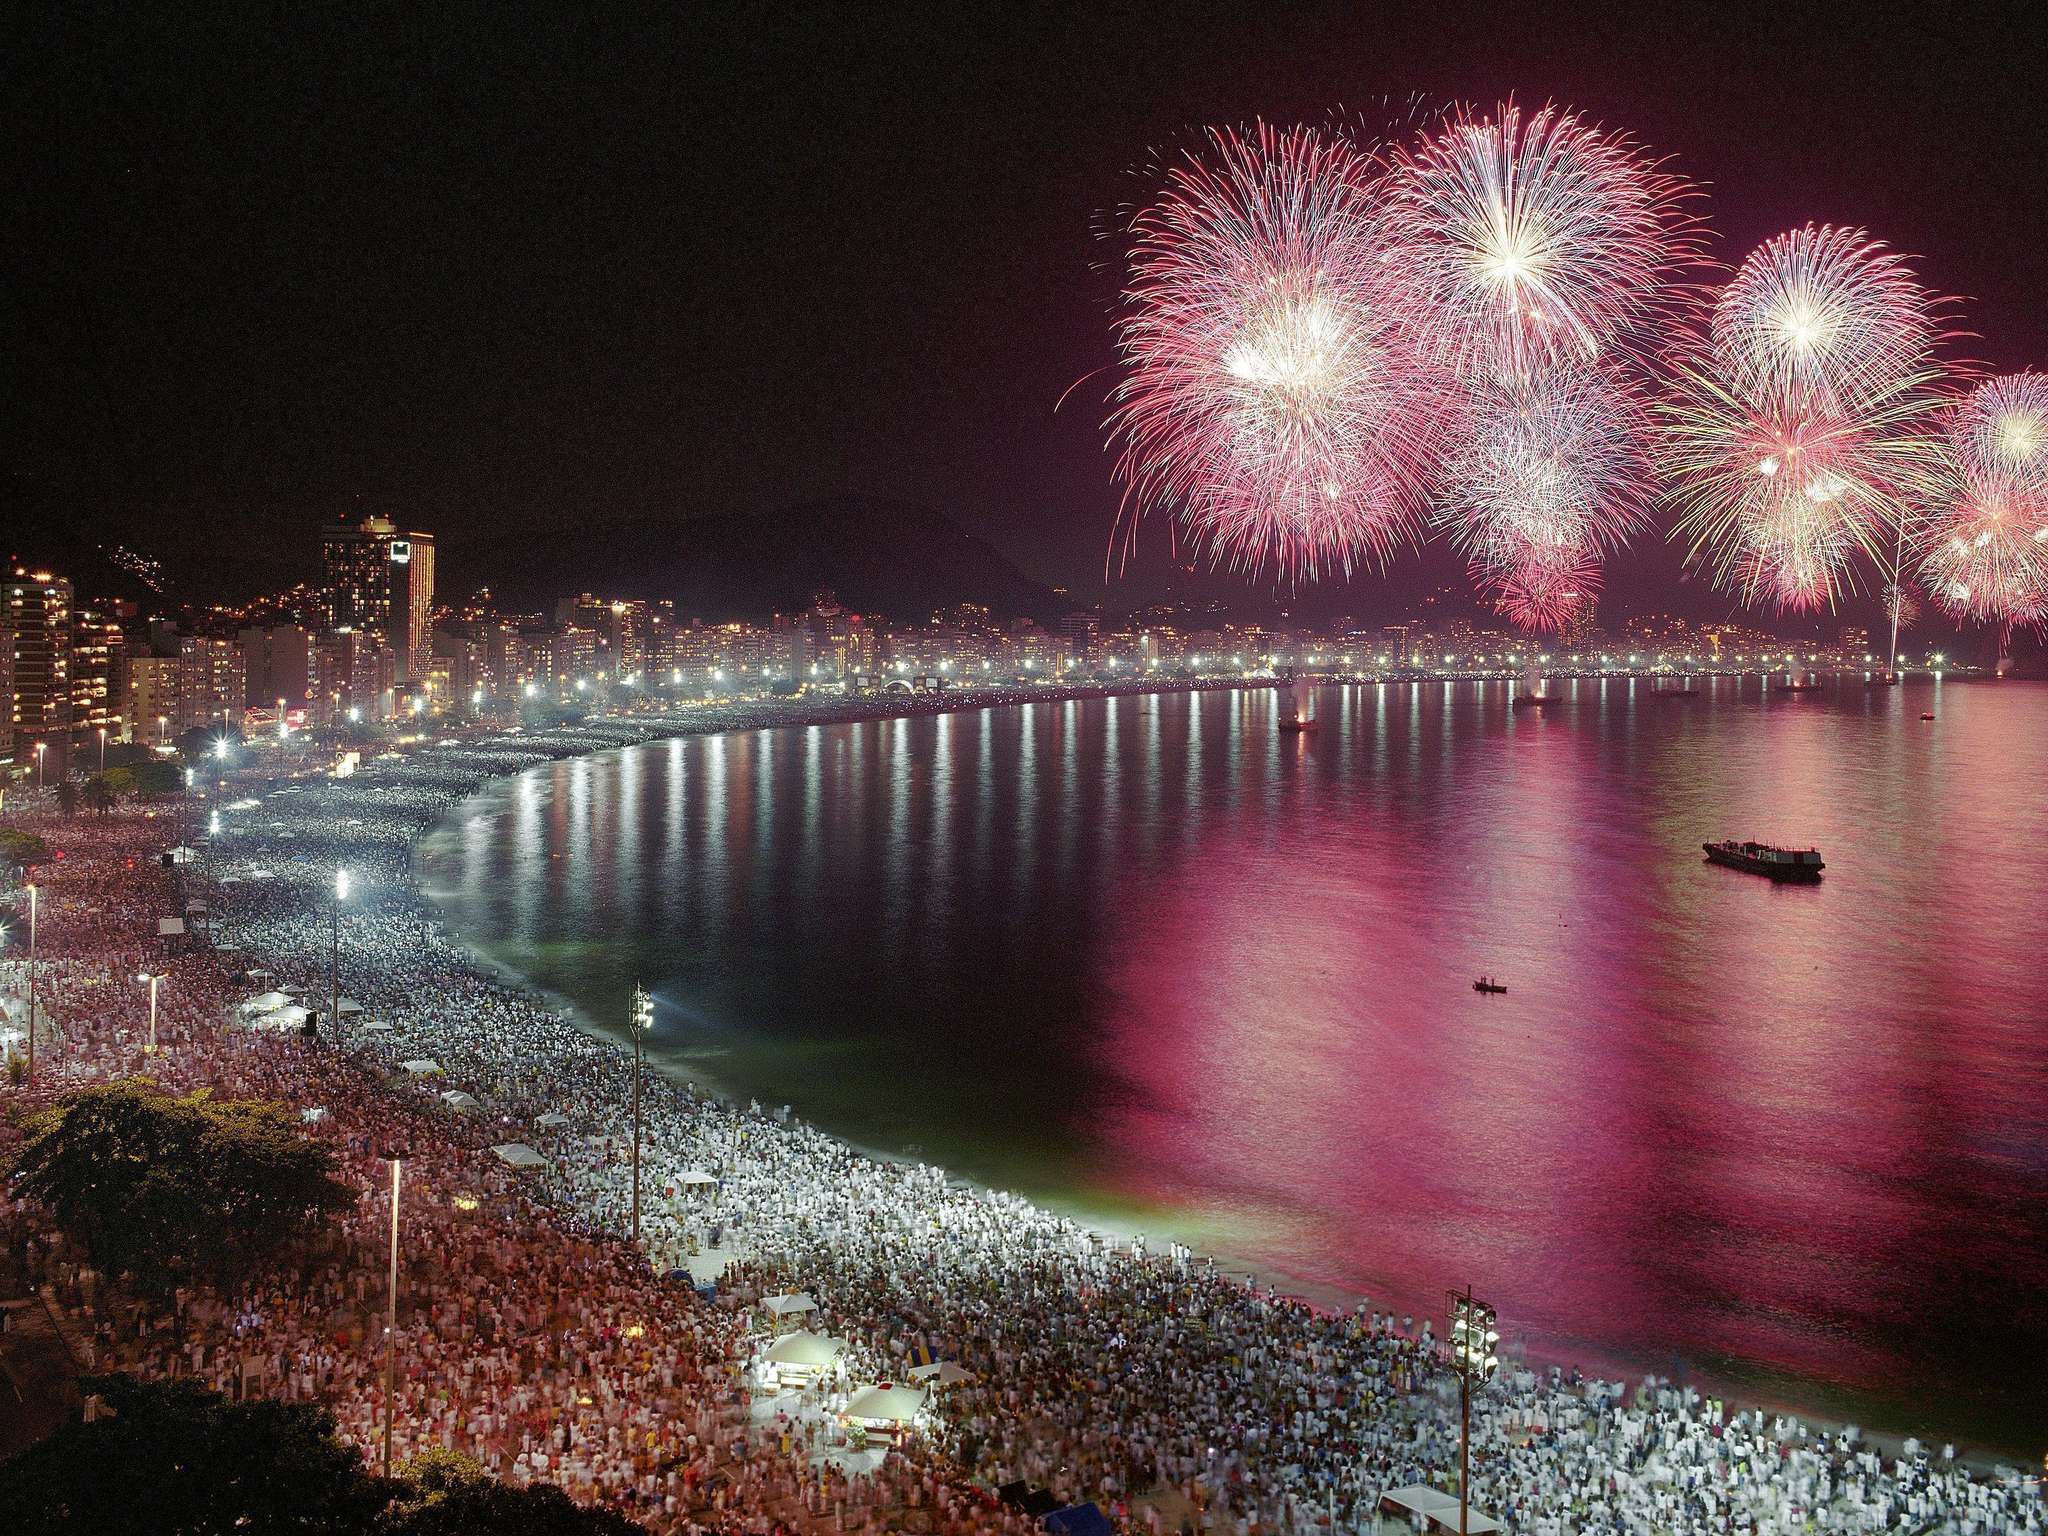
506, 269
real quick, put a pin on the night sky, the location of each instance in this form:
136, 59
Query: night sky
504, 270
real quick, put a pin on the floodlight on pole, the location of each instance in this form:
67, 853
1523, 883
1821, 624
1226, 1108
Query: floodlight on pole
643, 1020
1474, 1343
341, 884
152, 977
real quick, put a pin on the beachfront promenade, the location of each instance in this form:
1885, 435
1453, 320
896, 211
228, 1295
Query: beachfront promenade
533, 1336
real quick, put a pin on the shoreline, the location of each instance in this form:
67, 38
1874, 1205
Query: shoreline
1267, 1274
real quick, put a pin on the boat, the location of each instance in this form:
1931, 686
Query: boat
1488, 984
1803, 864
1677, 693
1533, 700
1928, 716
1797, 688
1298, 723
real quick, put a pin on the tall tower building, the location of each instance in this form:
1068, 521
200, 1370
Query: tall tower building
374, 576
37, 607
412, 604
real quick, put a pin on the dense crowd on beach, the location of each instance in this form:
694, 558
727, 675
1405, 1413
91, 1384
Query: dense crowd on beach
535, 1336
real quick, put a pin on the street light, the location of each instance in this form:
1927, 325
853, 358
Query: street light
1474, 1339
643, 1020
103, 749
334, 951
152, 977
39, 768
28, 1078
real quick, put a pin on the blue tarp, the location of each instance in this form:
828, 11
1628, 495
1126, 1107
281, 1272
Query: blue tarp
1078, 1520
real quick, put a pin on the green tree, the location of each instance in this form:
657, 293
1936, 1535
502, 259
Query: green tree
449, 1494
177, 1460
67, 797
19, 849
157, 778
99, 794
155, 1184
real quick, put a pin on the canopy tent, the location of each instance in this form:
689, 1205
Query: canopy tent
348, 1005
883, 1404
696, 1178
795, 1304
462, 1103
1436, 1509
293, 1017
264, 1002
1078, 1520
946, 1373
374, 1028
550, 1120
422, 1066
517, 1154
812, 1350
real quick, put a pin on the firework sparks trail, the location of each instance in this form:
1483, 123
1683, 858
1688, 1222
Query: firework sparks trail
1273, 394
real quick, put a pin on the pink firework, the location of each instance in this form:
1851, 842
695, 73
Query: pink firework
1543, 592
1985, 553
1545, 470
1823, 315
1539, 237
1273, 396
1798, 449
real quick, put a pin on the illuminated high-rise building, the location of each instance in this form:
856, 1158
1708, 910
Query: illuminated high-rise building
98, 651
36, 606
376, 577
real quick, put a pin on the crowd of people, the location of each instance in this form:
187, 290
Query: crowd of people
535, 1335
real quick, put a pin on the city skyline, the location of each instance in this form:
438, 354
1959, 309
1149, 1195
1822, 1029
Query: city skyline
515, 423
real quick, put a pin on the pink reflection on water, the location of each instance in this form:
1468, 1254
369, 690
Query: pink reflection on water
1706, 1118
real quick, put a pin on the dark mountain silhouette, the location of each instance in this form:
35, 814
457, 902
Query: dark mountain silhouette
879, 556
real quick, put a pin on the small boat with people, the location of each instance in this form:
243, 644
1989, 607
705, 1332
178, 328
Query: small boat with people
1488, 984
1801, 864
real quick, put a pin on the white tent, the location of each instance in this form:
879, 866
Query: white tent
551, 1119
462, 1103
264, 1002
517, 1154
814, 1350
883, 1407
348, 1005
1438, 1509
424, 1066
374, 1028
293, 1017
796, 1304
945, 1373
696, 1178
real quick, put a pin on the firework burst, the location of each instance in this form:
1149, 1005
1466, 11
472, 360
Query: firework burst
1985, 554
1546, 470
1792, 458
1535, 238
1821, 315
1273, 395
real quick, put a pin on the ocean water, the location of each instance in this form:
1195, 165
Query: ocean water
1151, 959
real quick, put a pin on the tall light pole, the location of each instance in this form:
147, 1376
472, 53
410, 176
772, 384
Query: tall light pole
643, 1020
103, 749
152, 977
391, 1320
334, 952
28, 1079
1473, 1339
40, 746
